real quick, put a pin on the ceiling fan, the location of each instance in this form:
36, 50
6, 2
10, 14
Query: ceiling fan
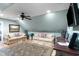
23, 16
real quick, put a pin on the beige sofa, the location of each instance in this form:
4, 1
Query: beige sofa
46, 36
14, 37
43, 36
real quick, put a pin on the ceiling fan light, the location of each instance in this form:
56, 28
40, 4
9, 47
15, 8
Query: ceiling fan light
22, 18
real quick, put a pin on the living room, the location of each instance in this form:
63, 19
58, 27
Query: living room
35, 29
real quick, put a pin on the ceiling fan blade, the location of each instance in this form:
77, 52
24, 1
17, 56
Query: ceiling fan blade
29, 19
28, 16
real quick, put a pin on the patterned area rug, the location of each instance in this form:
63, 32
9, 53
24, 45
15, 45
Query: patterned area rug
26, 49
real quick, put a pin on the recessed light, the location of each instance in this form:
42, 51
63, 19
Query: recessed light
1, 14
48, 11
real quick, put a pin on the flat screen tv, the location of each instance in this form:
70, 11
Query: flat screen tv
70, 16
73, 15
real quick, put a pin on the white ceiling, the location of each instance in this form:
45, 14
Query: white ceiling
3, 6
33, 9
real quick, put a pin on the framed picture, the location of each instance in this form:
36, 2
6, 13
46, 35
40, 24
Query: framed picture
14, 28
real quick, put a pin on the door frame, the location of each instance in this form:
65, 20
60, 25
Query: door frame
1, 31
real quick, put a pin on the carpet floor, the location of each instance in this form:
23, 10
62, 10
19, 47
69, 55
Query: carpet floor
26, 49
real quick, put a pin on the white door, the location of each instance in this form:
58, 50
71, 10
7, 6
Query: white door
1, 31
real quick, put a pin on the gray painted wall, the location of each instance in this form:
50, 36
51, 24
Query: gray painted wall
47, 23
6, 25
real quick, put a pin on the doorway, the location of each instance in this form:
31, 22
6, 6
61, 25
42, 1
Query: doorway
1, 31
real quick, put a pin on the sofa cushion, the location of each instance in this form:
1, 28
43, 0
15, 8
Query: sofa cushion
11, 35
17, 34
